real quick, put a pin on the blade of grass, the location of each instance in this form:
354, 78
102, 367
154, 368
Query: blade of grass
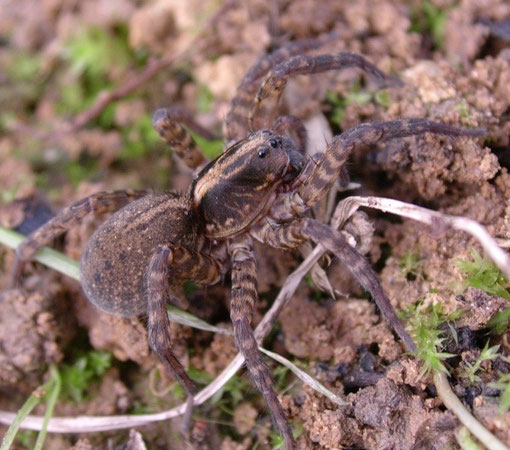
51, 401
436, 219
305, 378
185, 318
46, 256
32, 401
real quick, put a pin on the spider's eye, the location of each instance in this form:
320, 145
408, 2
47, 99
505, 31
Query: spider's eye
262, 152
273, 143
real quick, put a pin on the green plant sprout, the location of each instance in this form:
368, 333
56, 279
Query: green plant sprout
424, 324
470, 369
499, 322
277, 441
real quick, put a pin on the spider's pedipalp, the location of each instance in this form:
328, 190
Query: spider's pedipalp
98, 203
244, 296
276, 80
168, 122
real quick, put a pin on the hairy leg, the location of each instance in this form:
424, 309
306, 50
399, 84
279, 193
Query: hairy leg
98, 203
205, 271
236, 121
293, 234
318, 176
276, 80
244, 295
168, 122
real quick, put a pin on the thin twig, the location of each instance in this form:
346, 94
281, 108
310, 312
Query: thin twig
434, 218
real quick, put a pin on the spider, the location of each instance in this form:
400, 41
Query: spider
261, 187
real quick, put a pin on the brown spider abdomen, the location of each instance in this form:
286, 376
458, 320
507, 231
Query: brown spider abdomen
116, 257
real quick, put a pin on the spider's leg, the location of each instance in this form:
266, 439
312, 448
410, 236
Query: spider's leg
236, 121
244, 296
168, 122
276, 80
98, 203
194, 266
294, 233
293, 127
318, 177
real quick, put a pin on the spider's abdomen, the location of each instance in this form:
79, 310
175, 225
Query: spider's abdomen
116, 257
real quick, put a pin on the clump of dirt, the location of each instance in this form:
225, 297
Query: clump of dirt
33, 332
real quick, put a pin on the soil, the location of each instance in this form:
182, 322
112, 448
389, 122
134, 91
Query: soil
459, 75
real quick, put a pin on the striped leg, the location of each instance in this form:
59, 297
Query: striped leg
318, 176
293, 234
168, 122
276, 80
98, 203
205, 271
244, 295
236, 122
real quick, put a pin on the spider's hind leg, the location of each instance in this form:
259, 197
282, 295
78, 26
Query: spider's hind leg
168, 122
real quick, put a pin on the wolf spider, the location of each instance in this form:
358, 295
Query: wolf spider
262, 187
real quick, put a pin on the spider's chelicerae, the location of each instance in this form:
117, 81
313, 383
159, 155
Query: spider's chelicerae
262, 187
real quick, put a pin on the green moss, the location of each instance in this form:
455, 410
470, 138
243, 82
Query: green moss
504, 384
430, 20
86, 369
410, 264
483, 274
424, 323
139, 138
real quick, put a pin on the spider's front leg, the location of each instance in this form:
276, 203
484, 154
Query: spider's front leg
98, 203
236, 121
194, 266
244, 295
319, 176
168, 122
295, 233
276, 80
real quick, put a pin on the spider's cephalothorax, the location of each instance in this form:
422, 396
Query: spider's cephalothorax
260, 188
239, 186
